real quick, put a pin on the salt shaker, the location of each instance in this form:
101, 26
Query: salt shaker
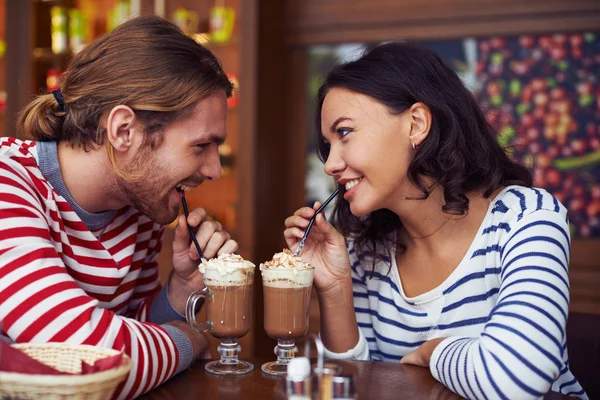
298, 382
326, 383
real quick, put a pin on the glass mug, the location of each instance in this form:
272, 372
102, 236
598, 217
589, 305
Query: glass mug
228, 302
286, 295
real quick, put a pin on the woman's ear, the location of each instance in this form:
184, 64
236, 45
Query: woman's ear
420, 116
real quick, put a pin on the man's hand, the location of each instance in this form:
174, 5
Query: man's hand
422, 355
213, 240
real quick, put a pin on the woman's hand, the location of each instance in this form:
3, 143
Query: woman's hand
422, 355
325, 247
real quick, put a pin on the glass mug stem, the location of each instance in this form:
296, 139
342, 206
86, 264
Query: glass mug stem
229, 350
285, 351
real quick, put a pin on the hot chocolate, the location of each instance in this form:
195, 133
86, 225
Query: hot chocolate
229, 279
287, 313
230, 311
287, 281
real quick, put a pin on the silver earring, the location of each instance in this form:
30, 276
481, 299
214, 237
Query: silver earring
413, 145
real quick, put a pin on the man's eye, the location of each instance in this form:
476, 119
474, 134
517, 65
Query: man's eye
203, 146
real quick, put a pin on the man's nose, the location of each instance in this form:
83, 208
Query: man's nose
211, 168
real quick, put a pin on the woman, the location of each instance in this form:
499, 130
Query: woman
450, 258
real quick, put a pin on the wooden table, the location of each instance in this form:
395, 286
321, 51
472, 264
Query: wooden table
375, 380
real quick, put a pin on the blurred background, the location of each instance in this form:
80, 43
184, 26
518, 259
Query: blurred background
533, 65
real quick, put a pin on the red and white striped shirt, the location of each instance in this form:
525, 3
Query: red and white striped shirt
60, 283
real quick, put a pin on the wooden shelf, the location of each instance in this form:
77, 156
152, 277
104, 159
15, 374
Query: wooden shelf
45, 54
233, 42
50, 2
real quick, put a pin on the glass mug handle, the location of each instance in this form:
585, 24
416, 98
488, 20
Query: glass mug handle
190, 310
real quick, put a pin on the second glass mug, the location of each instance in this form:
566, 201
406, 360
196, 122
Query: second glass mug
229, 317
286, 312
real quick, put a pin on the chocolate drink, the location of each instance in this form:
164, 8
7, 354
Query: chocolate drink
286, 311
230, 311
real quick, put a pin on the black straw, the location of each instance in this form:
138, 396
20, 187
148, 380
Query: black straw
312, 220
190, 230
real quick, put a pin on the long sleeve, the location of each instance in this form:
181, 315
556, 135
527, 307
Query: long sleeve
150, 303
40, 301
147, 285
161, 312
520, 351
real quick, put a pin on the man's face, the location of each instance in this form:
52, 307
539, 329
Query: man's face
187, 156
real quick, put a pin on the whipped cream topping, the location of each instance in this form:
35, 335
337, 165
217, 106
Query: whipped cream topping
286, 270
286, 260
227, 269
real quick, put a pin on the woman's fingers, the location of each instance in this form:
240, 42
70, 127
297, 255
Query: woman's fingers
296, 221
293, 233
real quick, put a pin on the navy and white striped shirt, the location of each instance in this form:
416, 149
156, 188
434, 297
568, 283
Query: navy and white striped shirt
503, 310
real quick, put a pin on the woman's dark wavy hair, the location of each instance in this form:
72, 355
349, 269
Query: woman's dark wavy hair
461, 152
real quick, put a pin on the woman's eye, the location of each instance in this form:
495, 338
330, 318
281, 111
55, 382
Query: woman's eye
343, 131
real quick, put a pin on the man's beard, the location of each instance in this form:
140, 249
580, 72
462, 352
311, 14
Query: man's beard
142, 193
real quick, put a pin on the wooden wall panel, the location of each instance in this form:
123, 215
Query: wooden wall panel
322, 13
18, 60
272, 159
584, 275
329, 21
246, 159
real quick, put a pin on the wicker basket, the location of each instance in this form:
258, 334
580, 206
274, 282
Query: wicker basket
65, 358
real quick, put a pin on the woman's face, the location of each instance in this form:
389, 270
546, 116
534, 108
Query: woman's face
370, 150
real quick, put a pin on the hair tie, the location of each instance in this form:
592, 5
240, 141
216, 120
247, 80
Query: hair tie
59, 99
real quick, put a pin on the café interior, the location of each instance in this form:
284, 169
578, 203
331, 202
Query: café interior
276, 52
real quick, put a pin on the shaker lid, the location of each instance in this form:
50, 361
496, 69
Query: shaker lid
298, 369
343, 386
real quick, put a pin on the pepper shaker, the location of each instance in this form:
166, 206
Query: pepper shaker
343, 387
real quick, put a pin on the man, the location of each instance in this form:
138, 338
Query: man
138, 119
